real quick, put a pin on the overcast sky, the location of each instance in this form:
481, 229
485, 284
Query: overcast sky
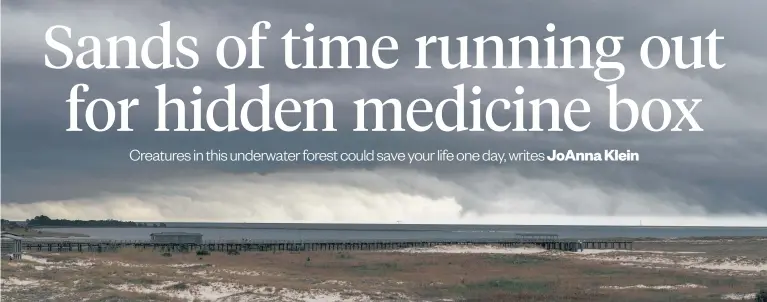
87, 175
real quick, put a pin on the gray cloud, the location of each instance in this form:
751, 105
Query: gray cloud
80, 175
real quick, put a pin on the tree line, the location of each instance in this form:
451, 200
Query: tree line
42, 220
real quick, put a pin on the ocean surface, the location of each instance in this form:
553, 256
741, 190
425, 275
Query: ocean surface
298, 232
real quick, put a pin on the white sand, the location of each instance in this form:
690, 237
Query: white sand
469, 249
44, 264
123, 264
210, 292
652, 259
336, 282
626, 258
9, 284
739, 297
656, 287
219, 291
12, 282
188, 265
205, 273
732, 266
606, 251
240, 273
30, 258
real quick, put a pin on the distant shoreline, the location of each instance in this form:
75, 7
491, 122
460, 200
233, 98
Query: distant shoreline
90, 227
34, 232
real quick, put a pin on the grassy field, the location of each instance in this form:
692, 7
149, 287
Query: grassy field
145, 275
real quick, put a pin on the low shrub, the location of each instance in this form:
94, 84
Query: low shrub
761, 296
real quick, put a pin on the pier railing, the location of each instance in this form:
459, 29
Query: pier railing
90, 244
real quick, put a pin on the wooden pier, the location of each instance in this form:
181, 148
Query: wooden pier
91, 245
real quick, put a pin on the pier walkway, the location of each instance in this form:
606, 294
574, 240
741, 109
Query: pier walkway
95, 245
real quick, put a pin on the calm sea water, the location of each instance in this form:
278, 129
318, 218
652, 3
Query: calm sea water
235, 231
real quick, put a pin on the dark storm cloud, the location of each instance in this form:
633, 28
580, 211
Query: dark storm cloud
46, 168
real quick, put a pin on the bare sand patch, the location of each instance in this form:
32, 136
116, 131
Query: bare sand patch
220, 291
31, 258
607, 251
123, 264
184, 265
735, 263
46, 264
220, 274
679, 260
655, 287
13, 282
474, 249
741, 297
207, 292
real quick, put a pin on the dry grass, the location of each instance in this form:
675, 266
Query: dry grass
382, 276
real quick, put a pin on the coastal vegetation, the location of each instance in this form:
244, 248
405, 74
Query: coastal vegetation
45, 221
761, 296
32, 227
9, 224
150, 275
19, 229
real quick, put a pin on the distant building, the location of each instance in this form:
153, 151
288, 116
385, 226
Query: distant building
176, 237
11, 246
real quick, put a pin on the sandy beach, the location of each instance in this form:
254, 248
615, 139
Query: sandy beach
661, 270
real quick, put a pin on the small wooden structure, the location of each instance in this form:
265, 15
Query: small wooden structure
11, 246
176, 238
